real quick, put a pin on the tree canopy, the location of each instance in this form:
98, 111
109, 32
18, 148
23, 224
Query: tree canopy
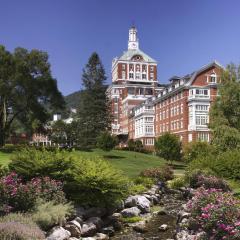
225, 111
168, 146
28, 92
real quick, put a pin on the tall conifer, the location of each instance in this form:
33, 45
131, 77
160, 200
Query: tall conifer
93, 110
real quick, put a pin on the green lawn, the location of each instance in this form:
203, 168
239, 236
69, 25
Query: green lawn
130, 163
4, 158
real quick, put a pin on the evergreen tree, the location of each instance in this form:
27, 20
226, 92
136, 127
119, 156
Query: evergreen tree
93, 111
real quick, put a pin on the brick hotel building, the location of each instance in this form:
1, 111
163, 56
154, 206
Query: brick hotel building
144, 109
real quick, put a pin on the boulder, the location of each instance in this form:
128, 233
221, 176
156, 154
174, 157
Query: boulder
89, 229
59, 233
182, 215
138, 201
163, 227
140, 227
96, 221
109, 231
130, 212
101, 236
79, 220
74, 228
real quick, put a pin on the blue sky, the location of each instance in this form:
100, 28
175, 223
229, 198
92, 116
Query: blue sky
182, 35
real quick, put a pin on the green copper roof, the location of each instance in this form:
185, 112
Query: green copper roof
131, 52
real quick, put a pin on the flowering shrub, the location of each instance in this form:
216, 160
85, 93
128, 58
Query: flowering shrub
199, 178
163, 174
215, 212
15, 195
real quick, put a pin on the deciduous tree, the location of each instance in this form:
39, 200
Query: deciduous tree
27, 89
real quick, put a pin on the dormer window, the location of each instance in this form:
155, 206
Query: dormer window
213, 78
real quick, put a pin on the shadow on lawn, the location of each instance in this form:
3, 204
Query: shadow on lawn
112, 157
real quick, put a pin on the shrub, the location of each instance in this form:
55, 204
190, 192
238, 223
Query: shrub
30, 163
145, 181
168, 146
177, 183
137, 189
96, 182
19, 227
18, 196
200, 178
159, 174
136, 146
48, 214
195, 150
106, 141
226, 164
215, 212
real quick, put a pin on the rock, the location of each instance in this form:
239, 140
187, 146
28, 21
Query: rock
130, 212
88, 238
79, 220
182, 215
155, 199
162, 212
140, 227
88, 229
96, 221
80, 211
184, 235
73, 238
116, 216
109, 231
101, 236
59, 233
163, 227
138, 201
74, 228
95, 212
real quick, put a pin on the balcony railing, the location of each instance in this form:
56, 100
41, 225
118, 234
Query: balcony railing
195, 96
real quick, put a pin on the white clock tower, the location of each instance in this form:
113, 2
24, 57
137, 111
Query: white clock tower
133, 40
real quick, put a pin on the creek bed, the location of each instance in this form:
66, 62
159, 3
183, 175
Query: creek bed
152, 229
172, 204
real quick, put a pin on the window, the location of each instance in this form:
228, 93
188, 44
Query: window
149, 119
123, 74
115, 100
181, 108
151, 76
202, 136
202, 107
123, 67
137, 76
149, 129
131, 75
151, 68
149, 141
201, 120
213, 78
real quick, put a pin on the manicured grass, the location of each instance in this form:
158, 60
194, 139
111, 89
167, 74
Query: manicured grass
130, 163
4, 158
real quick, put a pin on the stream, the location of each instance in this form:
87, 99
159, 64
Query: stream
171, 203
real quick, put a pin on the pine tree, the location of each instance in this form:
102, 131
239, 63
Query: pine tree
93, 111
